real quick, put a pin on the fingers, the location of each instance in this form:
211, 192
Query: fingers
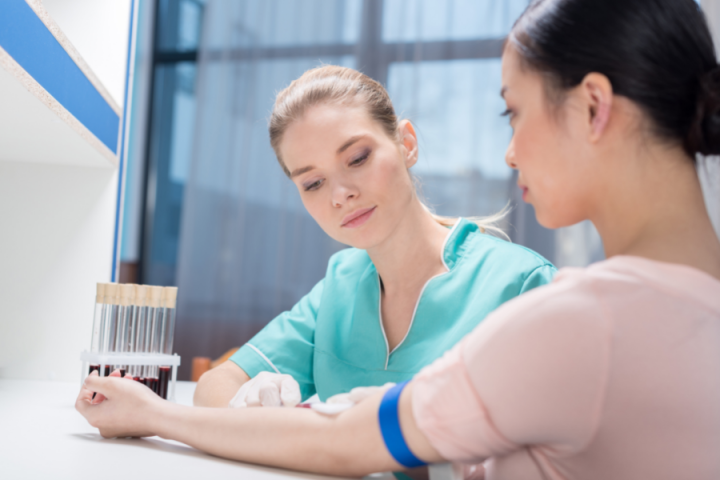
268, 389
290, 392
339, 398
269, 395
358, 394
239, 400
101, 385
473, 472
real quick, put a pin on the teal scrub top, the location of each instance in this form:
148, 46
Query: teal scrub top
333, 339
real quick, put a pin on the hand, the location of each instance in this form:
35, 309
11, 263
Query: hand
121, 408
267, 390
358, 394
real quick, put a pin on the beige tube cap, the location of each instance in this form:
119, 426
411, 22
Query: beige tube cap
141, 295
169, 297
127, 294
100, 293
112, 294
156, 296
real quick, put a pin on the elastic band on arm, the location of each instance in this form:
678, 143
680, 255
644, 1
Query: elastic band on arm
390, 429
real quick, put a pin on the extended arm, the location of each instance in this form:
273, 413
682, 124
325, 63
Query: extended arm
349, 444
217, 387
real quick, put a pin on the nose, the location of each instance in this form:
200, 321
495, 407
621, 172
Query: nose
510, 156
342, 192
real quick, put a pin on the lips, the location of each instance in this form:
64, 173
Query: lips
358, 217
524, 191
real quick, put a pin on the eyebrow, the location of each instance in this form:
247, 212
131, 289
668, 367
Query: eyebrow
349, 143
503, 90
300, 171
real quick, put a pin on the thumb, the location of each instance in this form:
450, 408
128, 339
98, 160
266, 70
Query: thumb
101, 385
290, 392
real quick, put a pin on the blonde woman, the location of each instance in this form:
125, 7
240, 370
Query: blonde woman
412, 285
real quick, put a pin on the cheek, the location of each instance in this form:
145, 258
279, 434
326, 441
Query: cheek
533, 149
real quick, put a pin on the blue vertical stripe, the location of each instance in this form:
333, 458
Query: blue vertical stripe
123, 154
28, 41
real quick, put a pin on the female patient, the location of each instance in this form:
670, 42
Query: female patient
410, 289
611, 372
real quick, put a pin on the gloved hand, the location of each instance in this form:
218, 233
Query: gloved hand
358, 394
268, 390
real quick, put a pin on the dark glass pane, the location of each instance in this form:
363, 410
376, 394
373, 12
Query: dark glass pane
169, 163
179, 23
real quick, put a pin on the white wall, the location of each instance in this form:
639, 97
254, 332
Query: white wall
98, 29
57, 232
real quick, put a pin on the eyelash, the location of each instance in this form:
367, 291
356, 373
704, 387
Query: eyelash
506, 113
313, 186
358, 161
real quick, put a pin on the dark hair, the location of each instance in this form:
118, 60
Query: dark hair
657, 53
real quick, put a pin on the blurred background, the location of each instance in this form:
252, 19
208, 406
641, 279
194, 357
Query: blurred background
206, 206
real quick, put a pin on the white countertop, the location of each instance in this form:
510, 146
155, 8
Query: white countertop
43, 437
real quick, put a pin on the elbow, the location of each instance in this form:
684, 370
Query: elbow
202, 397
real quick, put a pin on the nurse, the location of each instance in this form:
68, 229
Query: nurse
412, 286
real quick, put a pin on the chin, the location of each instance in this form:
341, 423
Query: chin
554, 221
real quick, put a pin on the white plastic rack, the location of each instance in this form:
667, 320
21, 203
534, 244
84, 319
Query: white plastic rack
154, 359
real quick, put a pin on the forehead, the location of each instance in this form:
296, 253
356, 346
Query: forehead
511, 65
321, 130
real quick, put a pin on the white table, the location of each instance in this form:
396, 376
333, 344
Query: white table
43, 437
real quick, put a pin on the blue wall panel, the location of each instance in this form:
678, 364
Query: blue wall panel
25, 38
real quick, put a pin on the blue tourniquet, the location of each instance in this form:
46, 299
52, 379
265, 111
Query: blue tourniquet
390, 428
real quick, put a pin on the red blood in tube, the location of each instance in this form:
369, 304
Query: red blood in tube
94, 368
163, 379
107, 371
122, 372
152, 384
140, 379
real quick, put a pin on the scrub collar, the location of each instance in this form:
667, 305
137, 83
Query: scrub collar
455, 245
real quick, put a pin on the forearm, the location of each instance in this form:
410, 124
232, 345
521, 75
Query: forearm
349, 444
218, 386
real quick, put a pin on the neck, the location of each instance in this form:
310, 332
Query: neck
412, 253
653, 207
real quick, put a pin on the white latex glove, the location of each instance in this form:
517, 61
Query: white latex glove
358, 394
267, 390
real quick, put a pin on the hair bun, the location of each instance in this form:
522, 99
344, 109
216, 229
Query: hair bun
704, 134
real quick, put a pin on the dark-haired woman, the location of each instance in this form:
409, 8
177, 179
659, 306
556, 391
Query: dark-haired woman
611, 372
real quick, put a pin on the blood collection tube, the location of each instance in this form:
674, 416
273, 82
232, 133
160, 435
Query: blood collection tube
124, 313
154, 324
96, 337
166, 338
139, 317
109, 323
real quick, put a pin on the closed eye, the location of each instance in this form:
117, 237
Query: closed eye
313, 186
360, 160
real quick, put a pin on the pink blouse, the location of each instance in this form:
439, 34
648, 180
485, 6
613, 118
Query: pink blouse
609, 373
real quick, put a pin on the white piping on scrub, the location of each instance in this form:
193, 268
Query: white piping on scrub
263, 356
412, 319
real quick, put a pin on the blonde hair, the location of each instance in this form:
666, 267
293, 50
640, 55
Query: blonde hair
334, 84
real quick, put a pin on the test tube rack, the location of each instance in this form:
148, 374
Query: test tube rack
152, 359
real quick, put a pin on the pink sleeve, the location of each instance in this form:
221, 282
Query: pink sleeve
533, 373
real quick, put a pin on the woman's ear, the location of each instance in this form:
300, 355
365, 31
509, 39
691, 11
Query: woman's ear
597, 93
408, 140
